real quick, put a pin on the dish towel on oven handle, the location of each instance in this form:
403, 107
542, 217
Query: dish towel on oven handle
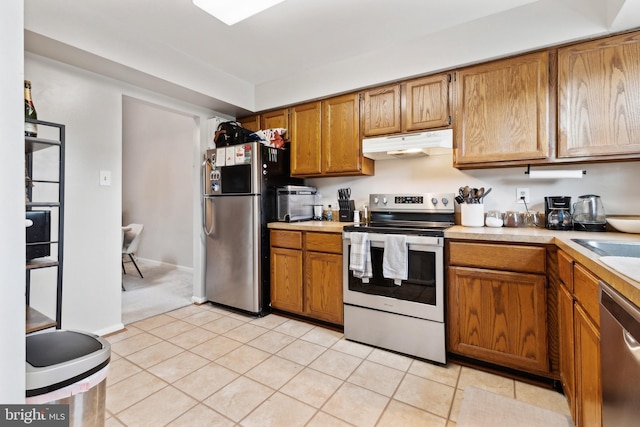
395, 258
360, 256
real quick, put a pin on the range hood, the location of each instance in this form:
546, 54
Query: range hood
408, 145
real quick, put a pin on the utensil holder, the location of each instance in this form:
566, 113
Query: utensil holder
346, 210
472, 214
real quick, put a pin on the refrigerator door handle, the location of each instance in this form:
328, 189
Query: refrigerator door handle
207, 230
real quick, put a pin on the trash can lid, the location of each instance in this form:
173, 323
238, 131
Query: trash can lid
59, 358
52, 348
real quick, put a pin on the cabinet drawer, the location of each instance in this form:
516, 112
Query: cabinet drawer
585, 290
565, 270
528, 259
324, 242
286, 239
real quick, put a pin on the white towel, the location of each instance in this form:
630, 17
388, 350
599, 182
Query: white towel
395, 258
360, 256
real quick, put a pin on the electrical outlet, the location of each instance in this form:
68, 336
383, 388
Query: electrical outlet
520, 193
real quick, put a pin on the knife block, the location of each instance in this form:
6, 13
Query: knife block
346, 210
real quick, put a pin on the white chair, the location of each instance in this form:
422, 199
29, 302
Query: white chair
130, 244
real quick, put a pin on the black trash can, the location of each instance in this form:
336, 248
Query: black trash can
69, 367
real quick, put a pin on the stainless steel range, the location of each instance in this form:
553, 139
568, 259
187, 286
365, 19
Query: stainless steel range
402, 313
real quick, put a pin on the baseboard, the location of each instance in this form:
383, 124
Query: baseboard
110, 330
155, 262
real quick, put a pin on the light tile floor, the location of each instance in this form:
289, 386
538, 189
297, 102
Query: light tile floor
206, 366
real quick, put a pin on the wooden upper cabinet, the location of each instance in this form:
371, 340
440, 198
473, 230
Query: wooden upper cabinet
276, 119
415, 105
426, 102
306, 130
381, 111
341, 144
502, 111
251, 122
599, 98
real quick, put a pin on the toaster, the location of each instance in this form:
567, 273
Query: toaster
295, 202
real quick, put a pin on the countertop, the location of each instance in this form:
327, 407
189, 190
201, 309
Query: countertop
562, 239
322, 226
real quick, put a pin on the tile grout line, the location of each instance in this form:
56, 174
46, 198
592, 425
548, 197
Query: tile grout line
247, 321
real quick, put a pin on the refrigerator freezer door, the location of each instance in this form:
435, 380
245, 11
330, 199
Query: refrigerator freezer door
233, 274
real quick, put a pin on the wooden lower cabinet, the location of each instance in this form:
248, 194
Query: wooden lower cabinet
323, 286
499, 317
497, 304
306, 274
588, 380
579, 335
567, 346
286, 279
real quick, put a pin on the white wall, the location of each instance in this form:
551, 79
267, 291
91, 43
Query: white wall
91, 107
157, 179
609, 180
12, 254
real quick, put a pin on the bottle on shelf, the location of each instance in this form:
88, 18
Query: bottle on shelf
30, 129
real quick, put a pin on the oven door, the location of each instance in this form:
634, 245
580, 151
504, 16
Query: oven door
421, 295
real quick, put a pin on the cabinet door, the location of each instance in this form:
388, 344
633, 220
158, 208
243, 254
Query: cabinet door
306, 152
426, 103
275, 119
588, 381
599, 106
502, 111
499, 317
566, 338
251, 122
286, 279
381, 111
341, 145
323, 286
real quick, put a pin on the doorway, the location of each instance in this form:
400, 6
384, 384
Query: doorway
157, 191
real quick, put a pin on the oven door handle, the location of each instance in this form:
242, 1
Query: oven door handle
413, 247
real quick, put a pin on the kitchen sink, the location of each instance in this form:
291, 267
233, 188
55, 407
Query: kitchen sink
611, 248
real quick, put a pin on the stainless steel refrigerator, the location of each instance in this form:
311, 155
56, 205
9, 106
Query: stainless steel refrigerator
239, 200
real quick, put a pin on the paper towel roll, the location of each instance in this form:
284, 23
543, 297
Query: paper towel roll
557, 174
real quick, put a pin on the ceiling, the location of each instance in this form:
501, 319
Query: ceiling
301, 49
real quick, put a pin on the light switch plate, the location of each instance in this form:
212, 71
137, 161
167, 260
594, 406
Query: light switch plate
105, 178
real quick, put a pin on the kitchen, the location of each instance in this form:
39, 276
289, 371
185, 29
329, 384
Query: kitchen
105, 95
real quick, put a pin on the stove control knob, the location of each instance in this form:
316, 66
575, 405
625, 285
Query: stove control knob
376, 200
434, 201
384, 200
445, 201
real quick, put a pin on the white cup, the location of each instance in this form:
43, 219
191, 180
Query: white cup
472, 214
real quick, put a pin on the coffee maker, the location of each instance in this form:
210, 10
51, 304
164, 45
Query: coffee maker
557, 213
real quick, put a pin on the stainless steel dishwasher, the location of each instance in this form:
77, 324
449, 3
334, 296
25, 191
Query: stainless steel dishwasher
620, 359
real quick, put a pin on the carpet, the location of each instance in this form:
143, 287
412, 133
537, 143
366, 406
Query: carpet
165, 287
480, 408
